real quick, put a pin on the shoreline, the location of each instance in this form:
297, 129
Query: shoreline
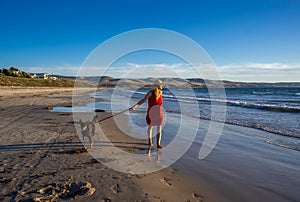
41, 151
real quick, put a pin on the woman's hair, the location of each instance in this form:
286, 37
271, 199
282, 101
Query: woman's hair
157, 92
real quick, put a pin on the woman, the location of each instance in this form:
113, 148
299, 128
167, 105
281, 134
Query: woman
154, 113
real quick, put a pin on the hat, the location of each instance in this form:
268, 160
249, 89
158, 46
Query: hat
157, 82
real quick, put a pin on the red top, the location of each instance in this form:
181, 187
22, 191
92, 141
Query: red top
155, 114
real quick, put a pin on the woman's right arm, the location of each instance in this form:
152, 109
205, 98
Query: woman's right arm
142, 101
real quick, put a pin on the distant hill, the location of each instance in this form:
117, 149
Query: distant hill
16, 77
183, 83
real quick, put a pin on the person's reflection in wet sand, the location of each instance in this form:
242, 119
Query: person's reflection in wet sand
158, 153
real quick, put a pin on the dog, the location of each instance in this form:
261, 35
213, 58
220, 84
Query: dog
88, 130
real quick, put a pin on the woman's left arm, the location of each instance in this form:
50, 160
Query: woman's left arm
141, 101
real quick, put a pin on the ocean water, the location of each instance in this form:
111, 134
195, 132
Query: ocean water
274, 110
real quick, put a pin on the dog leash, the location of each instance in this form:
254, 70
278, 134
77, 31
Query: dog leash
101, 120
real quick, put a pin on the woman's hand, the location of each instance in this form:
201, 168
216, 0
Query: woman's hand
141, 101
134, 107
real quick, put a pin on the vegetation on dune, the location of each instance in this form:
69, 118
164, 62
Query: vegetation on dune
33, 82
8, 72
14, 77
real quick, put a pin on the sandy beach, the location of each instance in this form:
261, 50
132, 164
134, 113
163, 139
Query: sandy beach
43, 159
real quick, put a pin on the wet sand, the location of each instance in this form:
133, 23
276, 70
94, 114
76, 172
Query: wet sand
43, 159
244, 167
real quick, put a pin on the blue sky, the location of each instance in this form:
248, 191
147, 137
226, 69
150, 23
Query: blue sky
247, 40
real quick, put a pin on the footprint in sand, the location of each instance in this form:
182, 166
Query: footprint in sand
64, 191
198, 196
116, 189
166, 181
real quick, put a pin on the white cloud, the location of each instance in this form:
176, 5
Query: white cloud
261, 66
177, 70
260, 72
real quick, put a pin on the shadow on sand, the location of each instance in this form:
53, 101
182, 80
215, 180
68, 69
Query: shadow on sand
70, 146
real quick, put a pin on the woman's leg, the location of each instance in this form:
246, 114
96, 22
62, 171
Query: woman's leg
150, 135
158, 136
